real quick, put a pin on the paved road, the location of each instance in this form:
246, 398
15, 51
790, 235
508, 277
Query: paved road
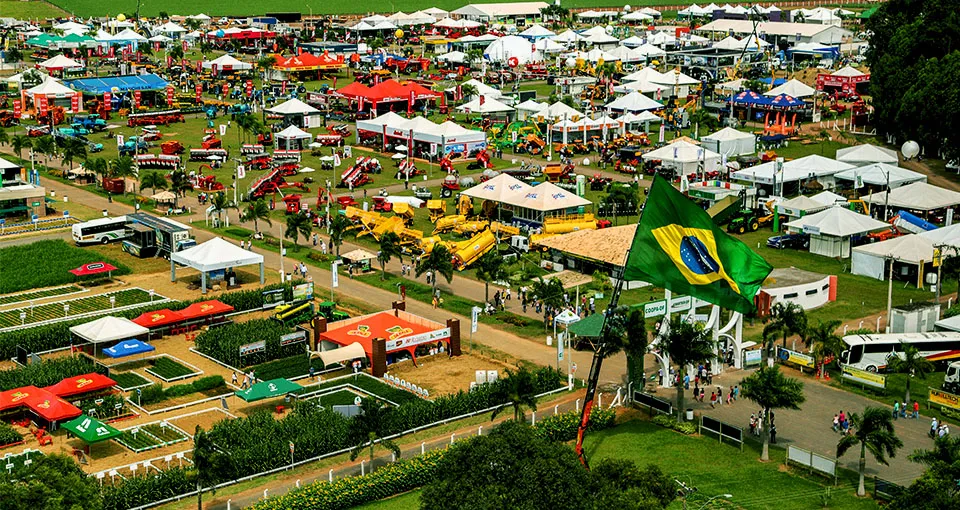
811, 427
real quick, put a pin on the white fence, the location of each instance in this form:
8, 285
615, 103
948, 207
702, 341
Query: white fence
814, 461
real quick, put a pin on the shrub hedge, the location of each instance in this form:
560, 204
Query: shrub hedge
671, 422
45, 373
223, 343
157, 393
8, 435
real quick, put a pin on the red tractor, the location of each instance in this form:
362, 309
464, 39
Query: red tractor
446, 165
329, 140
292, 203
482, 162
171, 148
448, 186
288, 168
211, 142
208, 182
259, 162
380, 204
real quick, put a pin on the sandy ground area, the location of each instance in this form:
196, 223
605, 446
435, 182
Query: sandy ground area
442, 375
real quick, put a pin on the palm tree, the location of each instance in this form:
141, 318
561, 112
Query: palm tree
791, 320
153, 181
19, 143
73, 149
122, 168
472, 56
256, 211
520, 389
266, 63
207, 462
771, 390
911, 363
824, 342
179, 185
686, 344
220, 204
46, 147
389, 248
872, 430
945, 455
98, 166
468, 91
550, 291
338, 230
297, 225
4, 137
365, 428
439, 262
491, 268
636, 347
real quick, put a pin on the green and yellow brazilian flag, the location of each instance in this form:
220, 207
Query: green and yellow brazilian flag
678, 247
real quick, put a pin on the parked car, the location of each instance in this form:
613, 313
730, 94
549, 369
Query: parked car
795, 241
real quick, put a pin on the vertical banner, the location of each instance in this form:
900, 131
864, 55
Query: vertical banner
241, 172
107, 101
335, 275
283, 88
225, 91
199, 90
185, 64
169, 61
170, 96
136, 99
213, 69
183, 45
99, 50
249, 88
111, 53
42, 106
199, 66
75, 103
410, 107
17, 112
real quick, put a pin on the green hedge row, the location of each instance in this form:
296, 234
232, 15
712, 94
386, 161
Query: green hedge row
140, 490
45, 373
8, 435
156, 392
223, 343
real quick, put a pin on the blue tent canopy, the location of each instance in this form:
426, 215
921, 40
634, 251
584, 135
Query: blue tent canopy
128, 348
752, 99
121, 83
776, 83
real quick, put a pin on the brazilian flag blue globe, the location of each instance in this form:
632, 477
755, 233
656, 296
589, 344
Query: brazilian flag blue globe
678, 247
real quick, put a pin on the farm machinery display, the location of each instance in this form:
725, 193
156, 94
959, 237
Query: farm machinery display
172, 147
408, 169
162, 161
91, 122
252, 149
294, 313
358, 174
482, 162
154, 118
272, 182
207, 154
133, 146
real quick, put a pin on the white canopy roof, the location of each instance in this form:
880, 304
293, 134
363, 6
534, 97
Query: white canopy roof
160, 38
293, 132
549, 46
838, 222
70, 25
537, 31
804, 204
644, 116
128, 35
829, 198
792, 88
636, 16
216, 254
545, 197
293, 107
949, 235
498, 188
568, 37
170, 28
108, 329
50, 87
558, 110
920, 196
675, 77
647, 74
908, 249
436, 11
867, 153
633, 102
226, 63
482, 88
509, 47
490, 105
681, 152
728, 43
388, 119
453, 56
60, 62
879, 174
603, 38
848, 72
728, 133
340, 354
531, 106
794, 170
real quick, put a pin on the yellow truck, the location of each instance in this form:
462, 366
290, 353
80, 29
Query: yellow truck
447, 223
503, 230
471, 251
567, 224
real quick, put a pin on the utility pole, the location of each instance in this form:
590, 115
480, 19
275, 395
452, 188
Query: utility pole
890, 293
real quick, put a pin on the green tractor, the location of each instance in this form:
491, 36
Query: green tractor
748, 220
328, 310
294, 313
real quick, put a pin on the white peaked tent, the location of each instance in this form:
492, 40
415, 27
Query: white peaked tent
632, 41
128, 35
482, 89
684, 157
830, 230
549, 46
596, 55
800, 206
633, 102
214, 255
559, 110
227, 63
829, 198
647, 74
731, 142
498, 188
636, 16
160, 38
913, 250
866, 154
511, 46
60, 62
543, 198
528, 109
292, 138
595, 30
602, 39
919, 196
798, 169
108, 329
728, 43
71, 26
293, 106
880, 174
170, 28
792, 88
490, 105
536, 32
457, 57
568, 37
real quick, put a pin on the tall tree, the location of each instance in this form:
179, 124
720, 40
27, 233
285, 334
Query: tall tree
636, 347
791, 320
687, 344
550, 291
338, 230
179, 184
911, 362
520, 389
73, 149
4, 136
490, 268
439, 262
873, 430
771, 390
123, 168
824, 342
98, 166
937, 488
207, 462
153, 181
46, 147
365, 429
19, 143
389, 248
220, 204
297, 225
258, 210
52, 482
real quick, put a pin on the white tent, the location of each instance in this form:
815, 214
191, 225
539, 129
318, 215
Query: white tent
374, 19
644, 116
170, 28
511, 46
602, 39
457, 57
292, 107
866, 154
214, 255
436, 11
484, 104
292, 138
792, 88
559, 110
909, 250
829, 198
549, 46
71, 26
633, 102
799, 169
830, 230
568, 37
728, 43
647, 74
919, 196
544, 197
731, 142
528, 109
60, 62
128, 35
536, 32
160, 38
498, 188
596, 55
482, 89
881, 174
227, 63
636, 16
800, 206
684, 157
108, 329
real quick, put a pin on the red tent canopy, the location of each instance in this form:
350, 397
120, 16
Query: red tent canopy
158, 318
390, 90
308, 62
93, 268
85, 383
420, 91
355, 89
51, 407
400, 334
205, 309
11, 399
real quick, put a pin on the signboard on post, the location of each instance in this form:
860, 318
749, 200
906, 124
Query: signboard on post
474, 318
293, 338
945, 399
303, 291
797, 358
863, 376
335, 275
752, 357
655, 309
680, 304
253, 348
422, 338
272, 298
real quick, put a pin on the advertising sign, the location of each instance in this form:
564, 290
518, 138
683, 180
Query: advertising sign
422, 338
680, 304
752, 357
474, 318
945, 399
293, 338
655, 308
272, 298
303, 291
863, 376
17, 109
136, 98
75, 103
199, 91
335, 275
797, 358
42, 106
170, 96
255, 347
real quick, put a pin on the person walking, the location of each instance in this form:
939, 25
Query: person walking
836, 423
233, 380
916, 410
896, 409
933, 428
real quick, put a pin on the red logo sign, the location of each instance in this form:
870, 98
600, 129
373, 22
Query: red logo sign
17, 108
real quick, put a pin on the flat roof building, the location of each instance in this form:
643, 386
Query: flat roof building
773, 31
500, 12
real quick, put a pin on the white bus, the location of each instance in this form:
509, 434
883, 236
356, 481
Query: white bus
103, 230
871, 352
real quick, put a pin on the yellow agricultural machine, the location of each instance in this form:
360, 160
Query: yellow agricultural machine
471, 250
470, 228
504, 231
437, 209
566, 224
465, 206
447, 223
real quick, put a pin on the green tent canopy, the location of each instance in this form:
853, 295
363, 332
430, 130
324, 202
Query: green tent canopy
91, 430
267, 389
869, 12
590, 326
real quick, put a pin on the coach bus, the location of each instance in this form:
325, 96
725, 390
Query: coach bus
871, 352
102, 230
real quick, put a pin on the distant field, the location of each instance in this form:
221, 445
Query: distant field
29, 10
223, 7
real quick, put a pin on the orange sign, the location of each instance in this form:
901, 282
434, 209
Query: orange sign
398, 331
44, 405
83, 382
157, 317
361, 331
18, 396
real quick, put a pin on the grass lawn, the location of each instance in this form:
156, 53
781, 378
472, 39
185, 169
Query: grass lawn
30, 10
166, 368
129, 380
408, 501
337, 398
50, 261
139, 441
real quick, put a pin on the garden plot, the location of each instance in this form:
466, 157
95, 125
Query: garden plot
27, 297
204, 419
100, 304
151, 436
169, 369
128, 381
443, 375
